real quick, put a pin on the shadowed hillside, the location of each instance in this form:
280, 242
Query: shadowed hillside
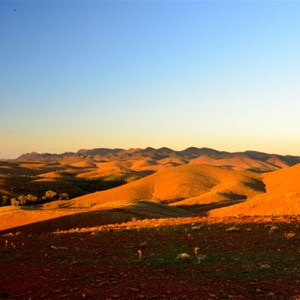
282, 196
188, 186
39, 220
183, 185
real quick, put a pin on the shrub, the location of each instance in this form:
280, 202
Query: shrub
5, 201
64, 196
14, 202
32, 198
49, 195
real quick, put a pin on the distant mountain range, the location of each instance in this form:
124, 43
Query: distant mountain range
248, 160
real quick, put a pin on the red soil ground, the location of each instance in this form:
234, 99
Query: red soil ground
246, 258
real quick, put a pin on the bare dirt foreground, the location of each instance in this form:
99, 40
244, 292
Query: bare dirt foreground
230, 258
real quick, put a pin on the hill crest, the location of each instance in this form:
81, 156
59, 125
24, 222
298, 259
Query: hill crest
248, 160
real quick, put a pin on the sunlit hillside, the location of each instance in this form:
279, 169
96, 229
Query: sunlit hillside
282, 196
183, 185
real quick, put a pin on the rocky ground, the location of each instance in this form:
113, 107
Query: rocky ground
183, 258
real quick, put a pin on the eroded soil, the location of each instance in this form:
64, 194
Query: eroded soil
246, 258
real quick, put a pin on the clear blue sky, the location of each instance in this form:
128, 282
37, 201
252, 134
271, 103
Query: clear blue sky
86, 74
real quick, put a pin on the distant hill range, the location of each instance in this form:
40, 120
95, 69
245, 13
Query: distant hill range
151, 159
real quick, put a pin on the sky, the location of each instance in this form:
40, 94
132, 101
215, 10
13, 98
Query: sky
129, 74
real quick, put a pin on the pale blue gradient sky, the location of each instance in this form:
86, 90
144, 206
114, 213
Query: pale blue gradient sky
86, 74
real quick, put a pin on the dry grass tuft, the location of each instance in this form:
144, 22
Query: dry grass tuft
273, 229
289, 235
201, 258
196, 250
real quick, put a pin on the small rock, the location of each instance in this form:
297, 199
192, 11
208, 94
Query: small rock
59, 248
95, 233
195, 228
232, 229
264, 266
273, 228
183, 257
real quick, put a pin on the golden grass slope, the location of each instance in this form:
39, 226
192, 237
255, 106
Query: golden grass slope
282, 196
283, 181
150, 196
268, 204
240, 162
47, 218
12, 216
264, 194
183, 185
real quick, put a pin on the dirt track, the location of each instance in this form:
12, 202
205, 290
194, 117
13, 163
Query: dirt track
246, 258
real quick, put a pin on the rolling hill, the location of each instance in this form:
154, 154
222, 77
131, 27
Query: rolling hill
75, 170
177, 186
162, 194
173, 192
282, 196
196, 180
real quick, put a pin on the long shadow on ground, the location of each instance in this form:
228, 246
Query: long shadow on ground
141, 210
